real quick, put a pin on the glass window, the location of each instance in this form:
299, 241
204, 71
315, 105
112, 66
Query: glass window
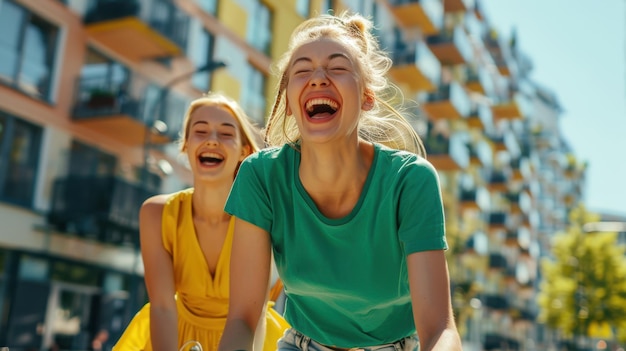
33, 268
27, 50
253, 97
260, 27
200, 50
11, 18
19, 154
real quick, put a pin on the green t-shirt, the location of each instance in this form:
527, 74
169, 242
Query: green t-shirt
346, 279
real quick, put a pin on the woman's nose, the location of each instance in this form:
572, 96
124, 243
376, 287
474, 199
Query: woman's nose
319, 78
213, 138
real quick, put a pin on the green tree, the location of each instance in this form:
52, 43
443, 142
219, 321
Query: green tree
584, 282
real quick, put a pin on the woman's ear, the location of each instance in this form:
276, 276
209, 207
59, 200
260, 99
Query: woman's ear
288, 111
246, 150
368, 100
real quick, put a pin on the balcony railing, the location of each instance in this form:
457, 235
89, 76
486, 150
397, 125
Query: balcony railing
102, 208
121, 110
425, 14
451, 47
416, 66
138, 29
450, 101
446, 154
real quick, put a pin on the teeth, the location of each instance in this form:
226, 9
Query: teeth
211, 155
320, 101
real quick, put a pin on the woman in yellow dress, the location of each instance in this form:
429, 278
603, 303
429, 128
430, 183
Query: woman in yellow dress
186, 239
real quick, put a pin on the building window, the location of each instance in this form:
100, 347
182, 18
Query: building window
260, 27
253, 97
303, 7
19, 153
200, 50
27, 50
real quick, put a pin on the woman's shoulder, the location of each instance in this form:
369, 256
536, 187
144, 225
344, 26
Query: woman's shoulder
156, 203
402, 159
269, 157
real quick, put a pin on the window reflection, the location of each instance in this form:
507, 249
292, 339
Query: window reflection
27, 49
260, 27
253, 99
19, 151
11, 18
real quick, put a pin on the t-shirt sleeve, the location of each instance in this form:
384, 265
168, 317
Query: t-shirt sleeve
248, 198
420, 208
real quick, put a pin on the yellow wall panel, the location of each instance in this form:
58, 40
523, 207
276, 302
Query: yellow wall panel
233, 16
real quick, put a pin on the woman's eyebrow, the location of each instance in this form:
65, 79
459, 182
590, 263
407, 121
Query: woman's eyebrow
224, 124
330, 57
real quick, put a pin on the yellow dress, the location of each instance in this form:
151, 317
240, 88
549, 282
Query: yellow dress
201, 299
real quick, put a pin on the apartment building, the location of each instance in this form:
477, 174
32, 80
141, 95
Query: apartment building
92, 94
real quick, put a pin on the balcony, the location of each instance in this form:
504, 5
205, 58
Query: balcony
509, 108
120, 111
450, 101
425, 14
497, 220
479, 81
416, 66
458, 5
138, 29
102, 208
499, 53
446, 154
451, 47
468, 199
497, 262
514, 199
498, 142
480, 118
497, 181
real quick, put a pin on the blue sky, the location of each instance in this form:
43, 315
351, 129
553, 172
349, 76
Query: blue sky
578, 50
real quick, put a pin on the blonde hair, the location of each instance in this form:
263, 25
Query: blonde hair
249, 133
382, 124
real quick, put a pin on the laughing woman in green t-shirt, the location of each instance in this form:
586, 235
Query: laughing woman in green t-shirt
347, 203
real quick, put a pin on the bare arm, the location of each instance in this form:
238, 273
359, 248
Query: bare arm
432, 307
159, 276
249, 280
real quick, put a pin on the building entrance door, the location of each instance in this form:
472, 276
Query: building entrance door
69, 321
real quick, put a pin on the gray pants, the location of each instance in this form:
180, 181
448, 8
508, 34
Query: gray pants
293, 340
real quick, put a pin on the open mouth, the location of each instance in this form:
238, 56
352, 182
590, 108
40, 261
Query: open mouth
321, 107
210, 158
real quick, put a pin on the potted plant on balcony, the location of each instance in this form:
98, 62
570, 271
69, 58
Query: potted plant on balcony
100, 98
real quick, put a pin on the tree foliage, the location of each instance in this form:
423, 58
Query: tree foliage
584, 281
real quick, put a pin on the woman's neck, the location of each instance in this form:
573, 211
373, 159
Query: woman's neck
208, 202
